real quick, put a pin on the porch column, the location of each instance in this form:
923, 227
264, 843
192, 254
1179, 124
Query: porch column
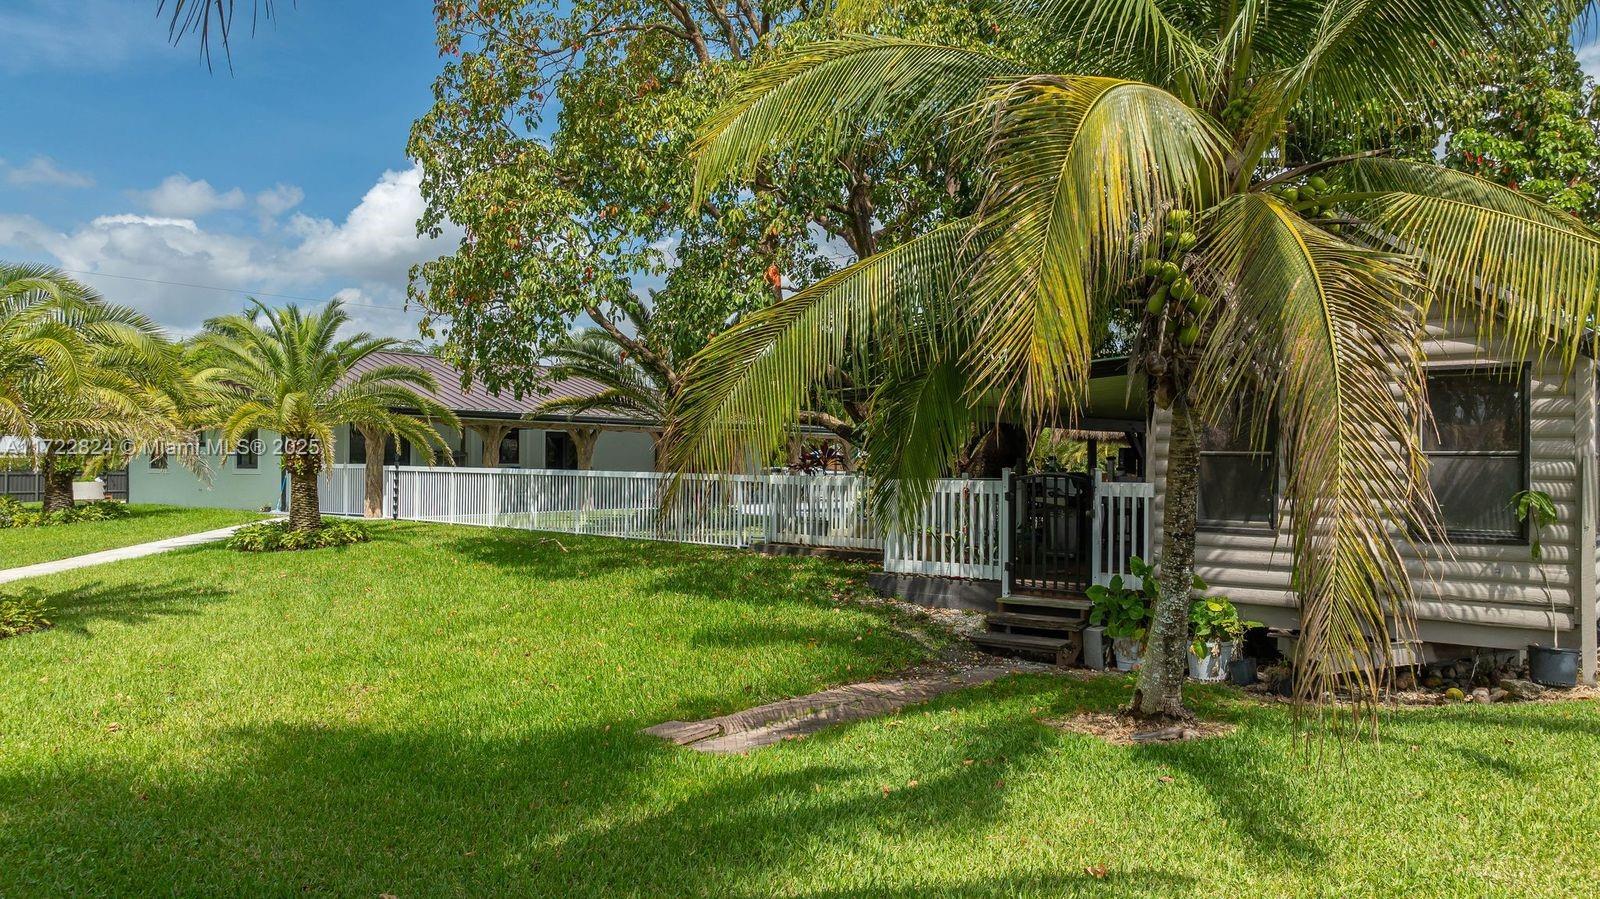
492, 434
1583, 574
584, 440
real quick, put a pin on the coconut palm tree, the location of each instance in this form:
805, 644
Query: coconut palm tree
87, 381
289, 371
1178, 168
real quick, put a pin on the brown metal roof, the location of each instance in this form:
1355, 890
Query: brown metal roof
475, 401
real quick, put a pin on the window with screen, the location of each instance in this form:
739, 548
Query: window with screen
1238, 478
511, 448
1476, 440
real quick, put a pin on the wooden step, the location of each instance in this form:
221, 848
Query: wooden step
1060, 650
1079, 603
1036, 622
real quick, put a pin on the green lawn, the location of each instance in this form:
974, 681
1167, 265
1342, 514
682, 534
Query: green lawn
456, 711
27, 546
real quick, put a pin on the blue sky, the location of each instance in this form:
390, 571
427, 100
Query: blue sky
127, 162
125, 156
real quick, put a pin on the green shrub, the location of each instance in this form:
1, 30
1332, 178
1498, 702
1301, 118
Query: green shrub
15, 515
272, 536
20, 615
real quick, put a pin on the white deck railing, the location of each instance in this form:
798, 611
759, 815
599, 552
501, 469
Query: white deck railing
1123, 513
960, 532
957, 534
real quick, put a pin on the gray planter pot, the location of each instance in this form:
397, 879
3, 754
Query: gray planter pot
1214, 667
1129, 653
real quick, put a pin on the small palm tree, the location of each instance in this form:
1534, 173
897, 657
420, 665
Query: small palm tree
636, 376
85, 380
288, 371
1185, 170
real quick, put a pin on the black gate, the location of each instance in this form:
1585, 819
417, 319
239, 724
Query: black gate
1050, 532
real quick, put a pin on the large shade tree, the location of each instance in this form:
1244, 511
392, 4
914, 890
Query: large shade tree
86, 382
1156, 173
291, 372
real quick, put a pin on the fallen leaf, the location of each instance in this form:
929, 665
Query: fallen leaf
1165, 778
911, 783
113, 727
885, 790
1098, 872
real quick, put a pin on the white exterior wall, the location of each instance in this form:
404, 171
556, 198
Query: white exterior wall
1487, 595
222, 486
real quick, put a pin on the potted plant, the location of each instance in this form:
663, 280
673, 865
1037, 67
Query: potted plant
1215, 630
1550, 665
1124, 611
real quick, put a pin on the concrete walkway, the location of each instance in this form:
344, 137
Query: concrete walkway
136, 551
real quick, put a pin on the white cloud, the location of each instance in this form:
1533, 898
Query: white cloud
280, 199
180, 196
377, 237
42, 171
169, 265
1589, 59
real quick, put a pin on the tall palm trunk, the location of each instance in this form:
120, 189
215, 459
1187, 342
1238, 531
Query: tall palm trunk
303, 468
1166, 658
57, 480
372, 504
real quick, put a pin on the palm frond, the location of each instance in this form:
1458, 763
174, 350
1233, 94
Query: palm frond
1079, 166
1326, 332
825, 95
1520, 271
747, 387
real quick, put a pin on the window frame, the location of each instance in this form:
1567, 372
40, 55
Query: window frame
1524, 452
1221, 526
248, 438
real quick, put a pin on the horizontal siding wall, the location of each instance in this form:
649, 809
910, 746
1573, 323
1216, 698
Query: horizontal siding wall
1489, 586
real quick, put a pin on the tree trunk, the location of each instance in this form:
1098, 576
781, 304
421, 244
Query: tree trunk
303, 467
57, 483
372, 503
1166, 655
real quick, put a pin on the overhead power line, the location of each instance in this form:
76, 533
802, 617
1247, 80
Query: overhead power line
248, 293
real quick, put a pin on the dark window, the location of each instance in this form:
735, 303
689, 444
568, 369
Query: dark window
1238, 480
559, 451
1476, 439
358, 450
511, 448
396, 452
246, 455
158, 459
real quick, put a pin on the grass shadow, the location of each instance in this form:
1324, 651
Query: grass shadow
75, 609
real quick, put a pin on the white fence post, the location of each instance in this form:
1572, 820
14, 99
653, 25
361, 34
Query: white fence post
1005, 528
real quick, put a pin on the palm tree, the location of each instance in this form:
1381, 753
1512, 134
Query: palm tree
1180, 169
632, 383
86, 381
288, 371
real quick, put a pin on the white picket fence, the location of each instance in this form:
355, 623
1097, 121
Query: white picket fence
960, 532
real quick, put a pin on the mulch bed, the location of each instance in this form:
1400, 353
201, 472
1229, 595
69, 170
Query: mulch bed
1120, 730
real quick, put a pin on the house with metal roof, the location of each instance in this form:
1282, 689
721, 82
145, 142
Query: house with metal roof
498, 431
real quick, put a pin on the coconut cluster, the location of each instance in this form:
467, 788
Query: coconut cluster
1309, 198
1170, 290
